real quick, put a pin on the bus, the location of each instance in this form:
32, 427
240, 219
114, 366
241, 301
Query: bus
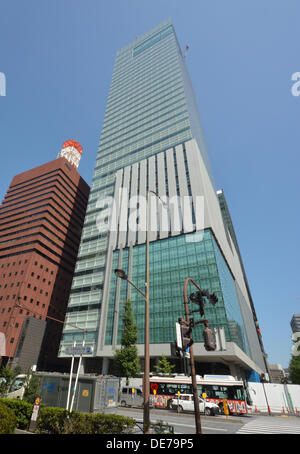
215, 388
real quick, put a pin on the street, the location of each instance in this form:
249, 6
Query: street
184, 423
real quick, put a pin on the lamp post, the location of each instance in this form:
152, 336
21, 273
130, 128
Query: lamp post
122, 275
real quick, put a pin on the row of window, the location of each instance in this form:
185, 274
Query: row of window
130, 112
170, 83
130, 73
160, 122
57, 172
147, 149
157, 105
31, 190
163, 126
37, 303
13, 263
156, 82
51, 196
53, 189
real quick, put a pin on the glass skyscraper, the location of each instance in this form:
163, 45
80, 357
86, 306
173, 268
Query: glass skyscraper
152, 140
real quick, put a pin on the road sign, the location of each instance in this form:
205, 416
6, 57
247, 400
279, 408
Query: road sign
154, 387
36, 408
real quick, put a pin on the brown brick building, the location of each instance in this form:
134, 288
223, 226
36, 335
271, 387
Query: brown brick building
41, 218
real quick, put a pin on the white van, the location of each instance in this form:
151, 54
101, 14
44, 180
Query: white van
17, 387
131, 397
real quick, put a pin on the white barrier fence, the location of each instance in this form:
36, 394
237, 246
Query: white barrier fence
275, 398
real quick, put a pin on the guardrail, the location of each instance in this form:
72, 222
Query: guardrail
160, 427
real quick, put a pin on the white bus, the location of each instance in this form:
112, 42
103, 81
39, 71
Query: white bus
215, 387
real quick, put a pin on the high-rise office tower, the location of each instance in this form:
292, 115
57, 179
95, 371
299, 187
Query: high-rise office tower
295, 323
152, 140
41, 218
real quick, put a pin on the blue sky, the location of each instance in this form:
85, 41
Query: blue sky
58, 56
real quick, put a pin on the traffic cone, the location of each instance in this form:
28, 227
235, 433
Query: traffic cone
256, 409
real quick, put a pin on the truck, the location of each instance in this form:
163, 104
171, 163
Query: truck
94, 393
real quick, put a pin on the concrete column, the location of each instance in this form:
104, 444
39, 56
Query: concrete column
105, 366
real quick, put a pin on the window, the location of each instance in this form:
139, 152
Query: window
137, 50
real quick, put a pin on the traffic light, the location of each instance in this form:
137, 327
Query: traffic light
209, 339
199, 300
213, 299
186, 333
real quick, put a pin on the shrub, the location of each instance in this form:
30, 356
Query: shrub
8, 420
22, 411
111, 424
78, 423
59, 421
51, 420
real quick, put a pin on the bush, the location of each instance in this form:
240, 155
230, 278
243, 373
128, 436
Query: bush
112, 424
8, 420
54, 420
51, 420
78, 423
22, 411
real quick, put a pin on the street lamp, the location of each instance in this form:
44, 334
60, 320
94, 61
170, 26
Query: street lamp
122, 275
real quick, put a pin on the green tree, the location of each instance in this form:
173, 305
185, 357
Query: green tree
294, 368
164, 366
126, 359
32, 389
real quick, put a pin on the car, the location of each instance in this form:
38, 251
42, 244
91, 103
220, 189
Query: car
185, 402
131, 397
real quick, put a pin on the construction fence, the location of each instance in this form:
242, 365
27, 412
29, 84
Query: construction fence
273, 398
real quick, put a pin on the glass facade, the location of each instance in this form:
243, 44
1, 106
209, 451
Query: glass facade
171, 261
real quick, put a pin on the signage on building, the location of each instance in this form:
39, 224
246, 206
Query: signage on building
80, 350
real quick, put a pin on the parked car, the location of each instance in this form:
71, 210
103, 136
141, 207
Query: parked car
186, 403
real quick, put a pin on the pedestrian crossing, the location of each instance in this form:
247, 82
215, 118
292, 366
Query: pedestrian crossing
275, 425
